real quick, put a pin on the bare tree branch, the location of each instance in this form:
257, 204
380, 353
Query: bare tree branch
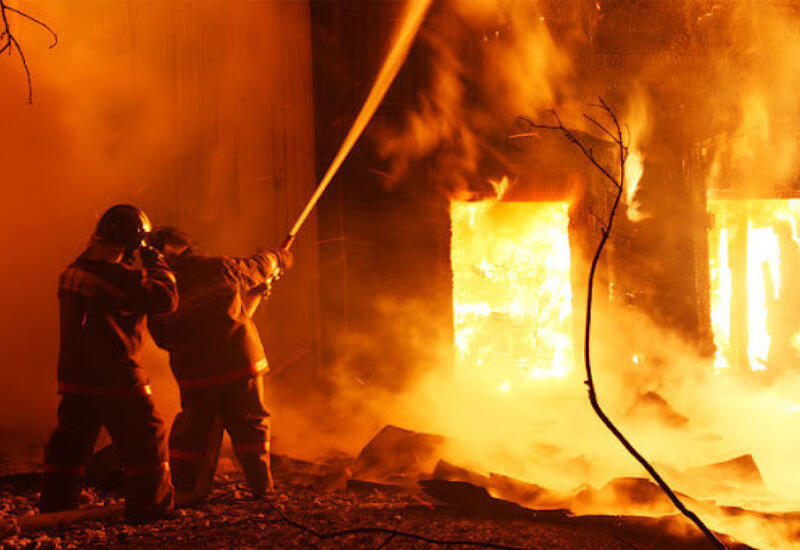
567, 133
10, 42
603, 128
616, 135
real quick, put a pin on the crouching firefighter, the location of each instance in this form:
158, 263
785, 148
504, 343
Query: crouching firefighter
103, 303
217, 358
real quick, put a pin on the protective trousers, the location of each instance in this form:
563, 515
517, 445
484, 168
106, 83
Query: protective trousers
138, 434
196, 436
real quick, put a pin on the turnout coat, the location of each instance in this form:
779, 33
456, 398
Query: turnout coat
103, 307
103, 304
210, 337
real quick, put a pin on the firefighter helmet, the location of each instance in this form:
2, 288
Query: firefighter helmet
123, 225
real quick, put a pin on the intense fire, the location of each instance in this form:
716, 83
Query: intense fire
512, 297
634, 168
753, 248
638, 121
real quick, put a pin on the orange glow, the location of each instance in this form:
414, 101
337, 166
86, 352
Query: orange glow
634, 168
638, 123
720, 294
758, 233
511, 291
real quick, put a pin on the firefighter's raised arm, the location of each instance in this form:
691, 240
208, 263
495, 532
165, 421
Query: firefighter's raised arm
259, 269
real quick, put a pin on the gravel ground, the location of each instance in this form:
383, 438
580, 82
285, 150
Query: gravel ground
230, 519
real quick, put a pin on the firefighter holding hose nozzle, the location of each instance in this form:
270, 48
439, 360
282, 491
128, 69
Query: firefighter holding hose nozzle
104, 300
217, 358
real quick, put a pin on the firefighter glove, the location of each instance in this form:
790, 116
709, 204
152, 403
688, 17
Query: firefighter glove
285, 258
151, 257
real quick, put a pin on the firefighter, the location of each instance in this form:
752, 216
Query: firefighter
104, 300
217, 358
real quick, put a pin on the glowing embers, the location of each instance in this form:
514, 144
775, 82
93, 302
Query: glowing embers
512, 297
754, 258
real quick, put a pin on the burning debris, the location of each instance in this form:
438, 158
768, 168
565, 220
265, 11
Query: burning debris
651, 407
446, 506
449, 297
227, 520
396, 455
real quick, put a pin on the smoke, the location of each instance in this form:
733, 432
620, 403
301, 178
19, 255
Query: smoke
65, 159
753, 93
152, 105
728, 88
544, 432
490, 62
709, 104
173, 107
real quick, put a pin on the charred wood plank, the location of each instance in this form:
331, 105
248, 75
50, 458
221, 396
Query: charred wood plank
397, 455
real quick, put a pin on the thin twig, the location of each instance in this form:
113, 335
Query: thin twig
588, 153
386, 542
38, 22
11, 42
385, 531
603, 128
600, 222
617, 137
24, 66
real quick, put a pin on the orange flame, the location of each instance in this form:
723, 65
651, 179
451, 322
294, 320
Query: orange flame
634, 168
638, 122
511, 289
746, 245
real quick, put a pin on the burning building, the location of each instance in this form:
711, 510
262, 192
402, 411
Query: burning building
482, 298
441, 282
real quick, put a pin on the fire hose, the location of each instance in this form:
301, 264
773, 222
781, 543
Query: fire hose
415, 14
